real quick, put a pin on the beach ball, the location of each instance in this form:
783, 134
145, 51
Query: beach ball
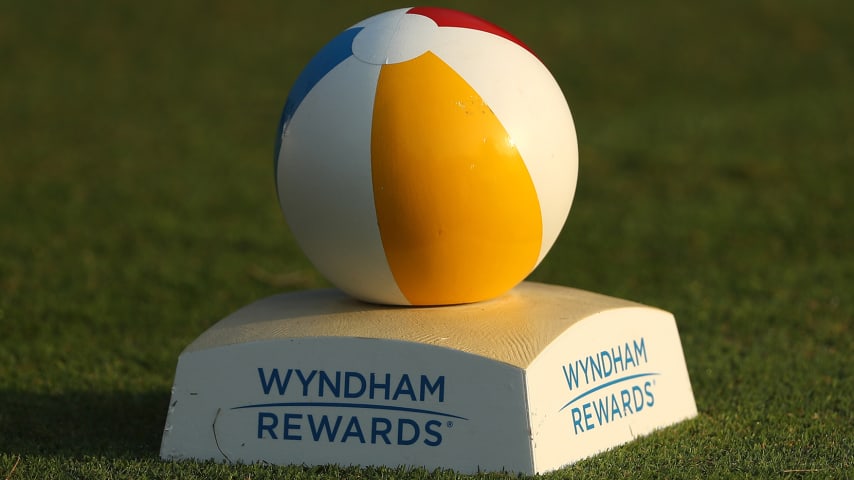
425, 157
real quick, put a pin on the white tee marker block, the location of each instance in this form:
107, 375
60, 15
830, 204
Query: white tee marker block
529, 382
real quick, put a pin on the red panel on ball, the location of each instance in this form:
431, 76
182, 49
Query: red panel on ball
445, 17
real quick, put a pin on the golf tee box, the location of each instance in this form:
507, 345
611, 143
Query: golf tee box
531, 381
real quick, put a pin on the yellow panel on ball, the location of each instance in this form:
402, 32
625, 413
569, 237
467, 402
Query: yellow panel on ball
458, 213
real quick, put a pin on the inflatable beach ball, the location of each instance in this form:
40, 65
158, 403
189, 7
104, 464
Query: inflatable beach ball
425, 157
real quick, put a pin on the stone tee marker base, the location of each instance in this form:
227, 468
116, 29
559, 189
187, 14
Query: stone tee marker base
531, 381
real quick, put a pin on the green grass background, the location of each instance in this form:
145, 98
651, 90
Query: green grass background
137, 208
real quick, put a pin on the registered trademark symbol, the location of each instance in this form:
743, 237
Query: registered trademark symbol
450, 424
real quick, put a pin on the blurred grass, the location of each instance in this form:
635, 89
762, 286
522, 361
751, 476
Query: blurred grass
138, 208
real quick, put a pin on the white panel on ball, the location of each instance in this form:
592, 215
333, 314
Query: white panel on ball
325, 174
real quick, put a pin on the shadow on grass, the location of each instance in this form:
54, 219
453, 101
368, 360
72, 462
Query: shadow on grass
122, 424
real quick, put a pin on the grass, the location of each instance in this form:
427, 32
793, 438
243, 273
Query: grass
138, 208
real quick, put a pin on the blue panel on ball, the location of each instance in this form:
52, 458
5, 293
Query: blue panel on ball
335, 52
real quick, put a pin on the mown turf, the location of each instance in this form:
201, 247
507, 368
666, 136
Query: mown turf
137, 208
